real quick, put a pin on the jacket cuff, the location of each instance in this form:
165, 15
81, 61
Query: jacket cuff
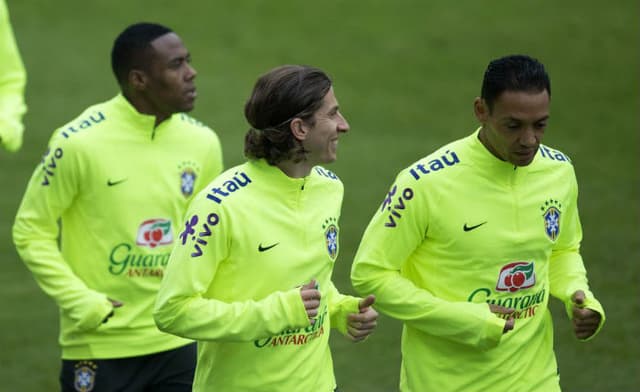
96, 310
493, 331
295, 311
341, 311
590, 303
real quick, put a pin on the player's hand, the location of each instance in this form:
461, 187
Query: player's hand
502, 311
585, 321
115, 304
311, 299
361, 325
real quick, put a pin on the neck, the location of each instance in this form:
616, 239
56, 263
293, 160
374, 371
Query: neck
483, 139
295, 169
143, 106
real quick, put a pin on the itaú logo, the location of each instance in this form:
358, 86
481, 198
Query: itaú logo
516, 276
154, 232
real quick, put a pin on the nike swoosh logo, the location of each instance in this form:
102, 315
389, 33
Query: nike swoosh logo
469, 228
265, 248
112, 183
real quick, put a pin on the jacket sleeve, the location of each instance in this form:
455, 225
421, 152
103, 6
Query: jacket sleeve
567, 273
13, 79
340, 306
51, 190
182, 306
385, 247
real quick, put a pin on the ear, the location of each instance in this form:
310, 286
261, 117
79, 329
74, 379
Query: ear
137, 79
480, 109
299, 129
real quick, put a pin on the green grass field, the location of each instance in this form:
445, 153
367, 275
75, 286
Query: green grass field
405, 73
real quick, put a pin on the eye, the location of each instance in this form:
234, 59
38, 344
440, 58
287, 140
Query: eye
540, 125
178, 62
334, 112
513, 126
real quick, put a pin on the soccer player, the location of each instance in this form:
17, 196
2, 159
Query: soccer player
472, 239
120, 177
13, 79
250, 277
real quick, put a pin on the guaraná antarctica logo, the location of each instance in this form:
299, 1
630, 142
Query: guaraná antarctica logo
331, 237
154, 232
135, 261
516, 276
295, 336
513, 277
551, 215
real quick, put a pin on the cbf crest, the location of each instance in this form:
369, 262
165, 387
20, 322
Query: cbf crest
85, 376
188, 174
551, 216
331, 237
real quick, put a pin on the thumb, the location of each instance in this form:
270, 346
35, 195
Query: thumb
509, 324
500, 309
578, 298
311, 285
114, 303
368, 301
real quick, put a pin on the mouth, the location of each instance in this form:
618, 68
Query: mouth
528, 151
526, 155
191, 93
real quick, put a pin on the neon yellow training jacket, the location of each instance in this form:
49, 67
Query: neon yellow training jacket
460, 229
13, 79
121, 187
249, 240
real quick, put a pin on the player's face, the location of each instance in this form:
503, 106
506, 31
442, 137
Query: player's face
513, 130
322, 140
170, 84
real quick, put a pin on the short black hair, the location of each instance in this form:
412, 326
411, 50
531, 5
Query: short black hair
130, 45
513, 73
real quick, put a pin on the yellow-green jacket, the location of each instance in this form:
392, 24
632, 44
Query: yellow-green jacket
460, 229
120, 187
248, 242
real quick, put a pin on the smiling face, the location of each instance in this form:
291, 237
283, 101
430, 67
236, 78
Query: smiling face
321, 140
512, 130
169, 79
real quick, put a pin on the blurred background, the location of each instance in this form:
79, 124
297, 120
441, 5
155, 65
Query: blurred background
405, 73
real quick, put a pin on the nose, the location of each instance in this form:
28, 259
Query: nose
343, 125
529, 137
191, 72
